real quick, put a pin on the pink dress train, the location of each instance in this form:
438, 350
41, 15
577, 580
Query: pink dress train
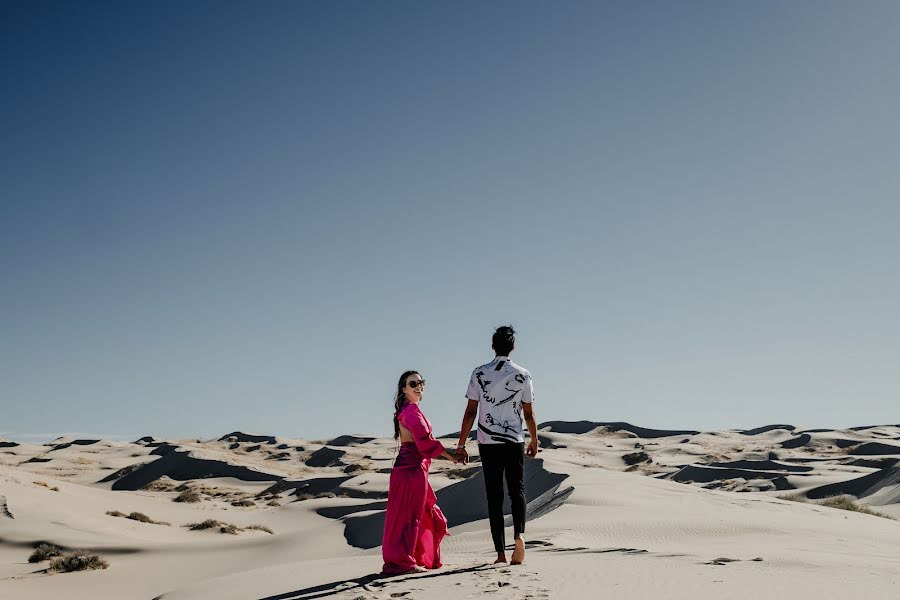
414, 524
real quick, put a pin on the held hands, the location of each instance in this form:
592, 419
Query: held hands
461, 456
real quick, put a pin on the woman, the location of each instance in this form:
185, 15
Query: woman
413, 524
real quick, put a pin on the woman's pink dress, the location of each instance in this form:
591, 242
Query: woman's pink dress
414, 525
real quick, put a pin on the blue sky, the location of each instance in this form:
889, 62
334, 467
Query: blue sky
239, 215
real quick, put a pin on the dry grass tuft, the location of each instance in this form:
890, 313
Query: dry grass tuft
159, 486
188, 496
207, 524
44, 552
259, 528
843, 502
301, 497
139, 516
798, 497
847, 503
78, 560
136, 516
225, 527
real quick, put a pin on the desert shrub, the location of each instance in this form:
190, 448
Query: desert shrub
44, 552
207, 524
319, 495
847, 503
244, 502
224, 527
78, 560
42, 484
136, 516
159, 486
798, 497
843, 502
273, 503
187, 496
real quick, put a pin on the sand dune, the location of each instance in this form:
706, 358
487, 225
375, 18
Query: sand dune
326, 457
614, 509
239, 436
184, 466
581, 427
878, 488
875, 449
767, 429
349, 440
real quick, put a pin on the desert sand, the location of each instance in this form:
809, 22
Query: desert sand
615, 511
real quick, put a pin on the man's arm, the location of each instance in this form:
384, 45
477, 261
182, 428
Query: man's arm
532, 429
465, 428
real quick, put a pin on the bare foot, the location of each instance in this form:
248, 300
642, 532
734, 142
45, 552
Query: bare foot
417, 569
518, 555
501, 558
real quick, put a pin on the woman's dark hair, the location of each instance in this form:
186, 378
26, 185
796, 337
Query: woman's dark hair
400, 399
504, 340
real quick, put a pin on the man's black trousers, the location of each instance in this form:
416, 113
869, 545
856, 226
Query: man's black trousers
498, 461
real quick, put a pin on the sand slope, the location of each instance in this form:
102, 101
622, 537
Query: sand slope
674, 514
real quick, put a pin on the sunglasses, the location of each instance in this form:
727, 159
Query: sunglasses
415, 384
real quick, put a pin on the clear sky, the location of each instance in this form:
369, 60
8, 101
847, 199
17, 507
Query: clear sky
256, 215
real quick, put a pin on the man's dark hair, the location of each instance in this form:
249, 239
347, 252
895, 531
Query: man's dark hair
504, 340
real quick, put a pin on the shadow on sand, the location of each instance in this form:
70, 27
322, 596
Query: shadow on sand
461, 502
370, 582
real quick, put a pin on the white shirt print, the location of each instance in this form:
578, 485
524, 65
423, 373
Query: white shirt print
501, 387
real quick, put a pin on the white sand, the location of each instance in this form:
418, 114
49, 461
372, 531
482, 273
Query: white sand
617, 534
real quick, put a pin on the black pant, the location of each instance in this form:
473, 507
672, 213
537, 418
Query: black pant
498, 460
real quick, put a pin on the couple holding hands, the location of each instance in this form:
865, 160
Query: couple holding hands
500, 396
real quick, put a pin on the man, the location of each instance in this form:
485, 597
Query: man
500, 392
